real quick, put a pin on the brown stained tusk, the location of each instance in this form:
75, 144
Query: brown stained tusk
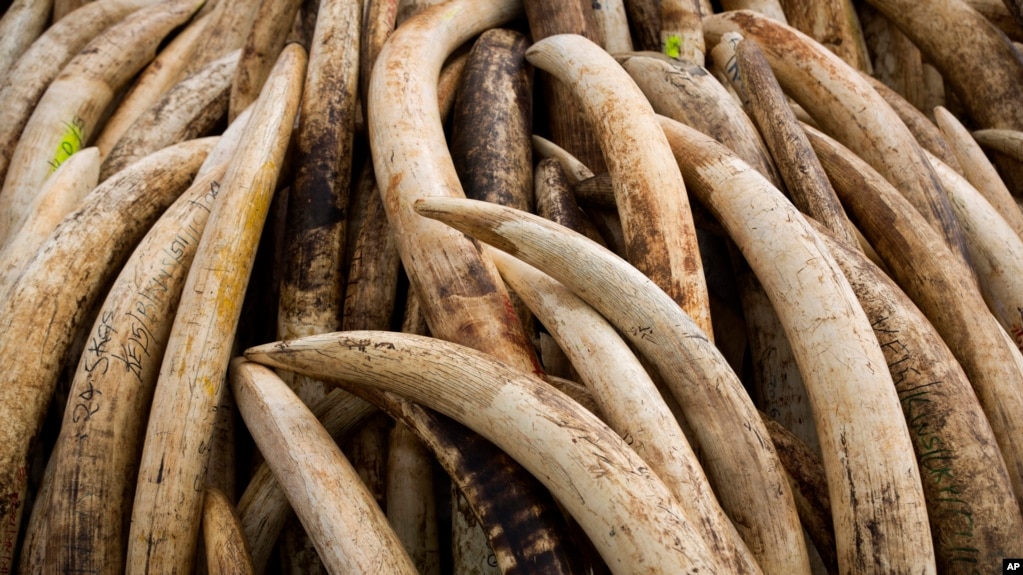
226, 549
377, 24
628, 513
635, 411
263, 43
995, 248
742, 468
649, 190
159, 76
175, 454
61, 194
187, 110
897, 61
645, 22
568, 127
231, 22
574, 170
556, 202
263, 506
804, 177
55, 292
681, 36
846, 106
1008, 142
691, 95
953, 442
312, 286
977, 169
492, 122
924, 130
809, 485
463, 298
1001, 14
940, 286
833, 23
22, 23
113, 383
834, 346
411, 501
28, 79
347, 526
70, 110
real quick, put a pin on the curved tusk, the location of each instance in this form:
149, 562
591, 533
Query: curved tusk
55, 292
187, 110
630, 403
264, 40
70, 110
1008, 142
837, 355
659, 232
845, 105
941, 287
834, 24
953, 442
167, 505
22, 23
463, 298
574, 170
740, 463
628, 513
978, 169
28, 79
350, 532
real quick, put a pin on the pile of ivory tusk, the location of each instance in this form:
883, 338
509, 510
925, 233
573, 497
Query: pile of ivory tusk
511, 286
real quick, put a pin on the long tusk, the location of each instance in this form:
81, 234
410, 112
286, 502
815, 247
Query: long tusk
943, 289
411, 504
1008, 142
741, 465
158, 77
659, 232
953, 442
635, 410
613, 26
28, 79
68, 113
22, 23
463, 298
834, 24
845, 105
226, 549
348, 528
55, 292
167, 505
978, 169
556, 202
59, 196
231, 22
834, 347
187, 110
265, 39
100, 440
626, 511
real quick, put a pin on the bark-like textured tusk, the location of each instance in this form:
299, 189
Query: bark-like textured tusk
978, 169
28, 79
158, 77
377, 24
941, 287
833, 23
1008, 142
100, 440
60, 195
659, 232
953, 442
627, 512
348, 528
845, 105
740, 463
232, 20
56, 291
187, 110
68, 112
645, 22
263, 43
834, 347
226, 549
634, 410
556, 202
462, 294
175, 454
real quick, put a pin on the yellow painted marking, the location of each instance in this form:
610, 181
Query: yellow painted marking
673, 46
70, 142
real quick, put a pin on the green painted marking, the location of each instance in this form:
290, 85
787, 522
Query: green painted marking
70, 142
673, 46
